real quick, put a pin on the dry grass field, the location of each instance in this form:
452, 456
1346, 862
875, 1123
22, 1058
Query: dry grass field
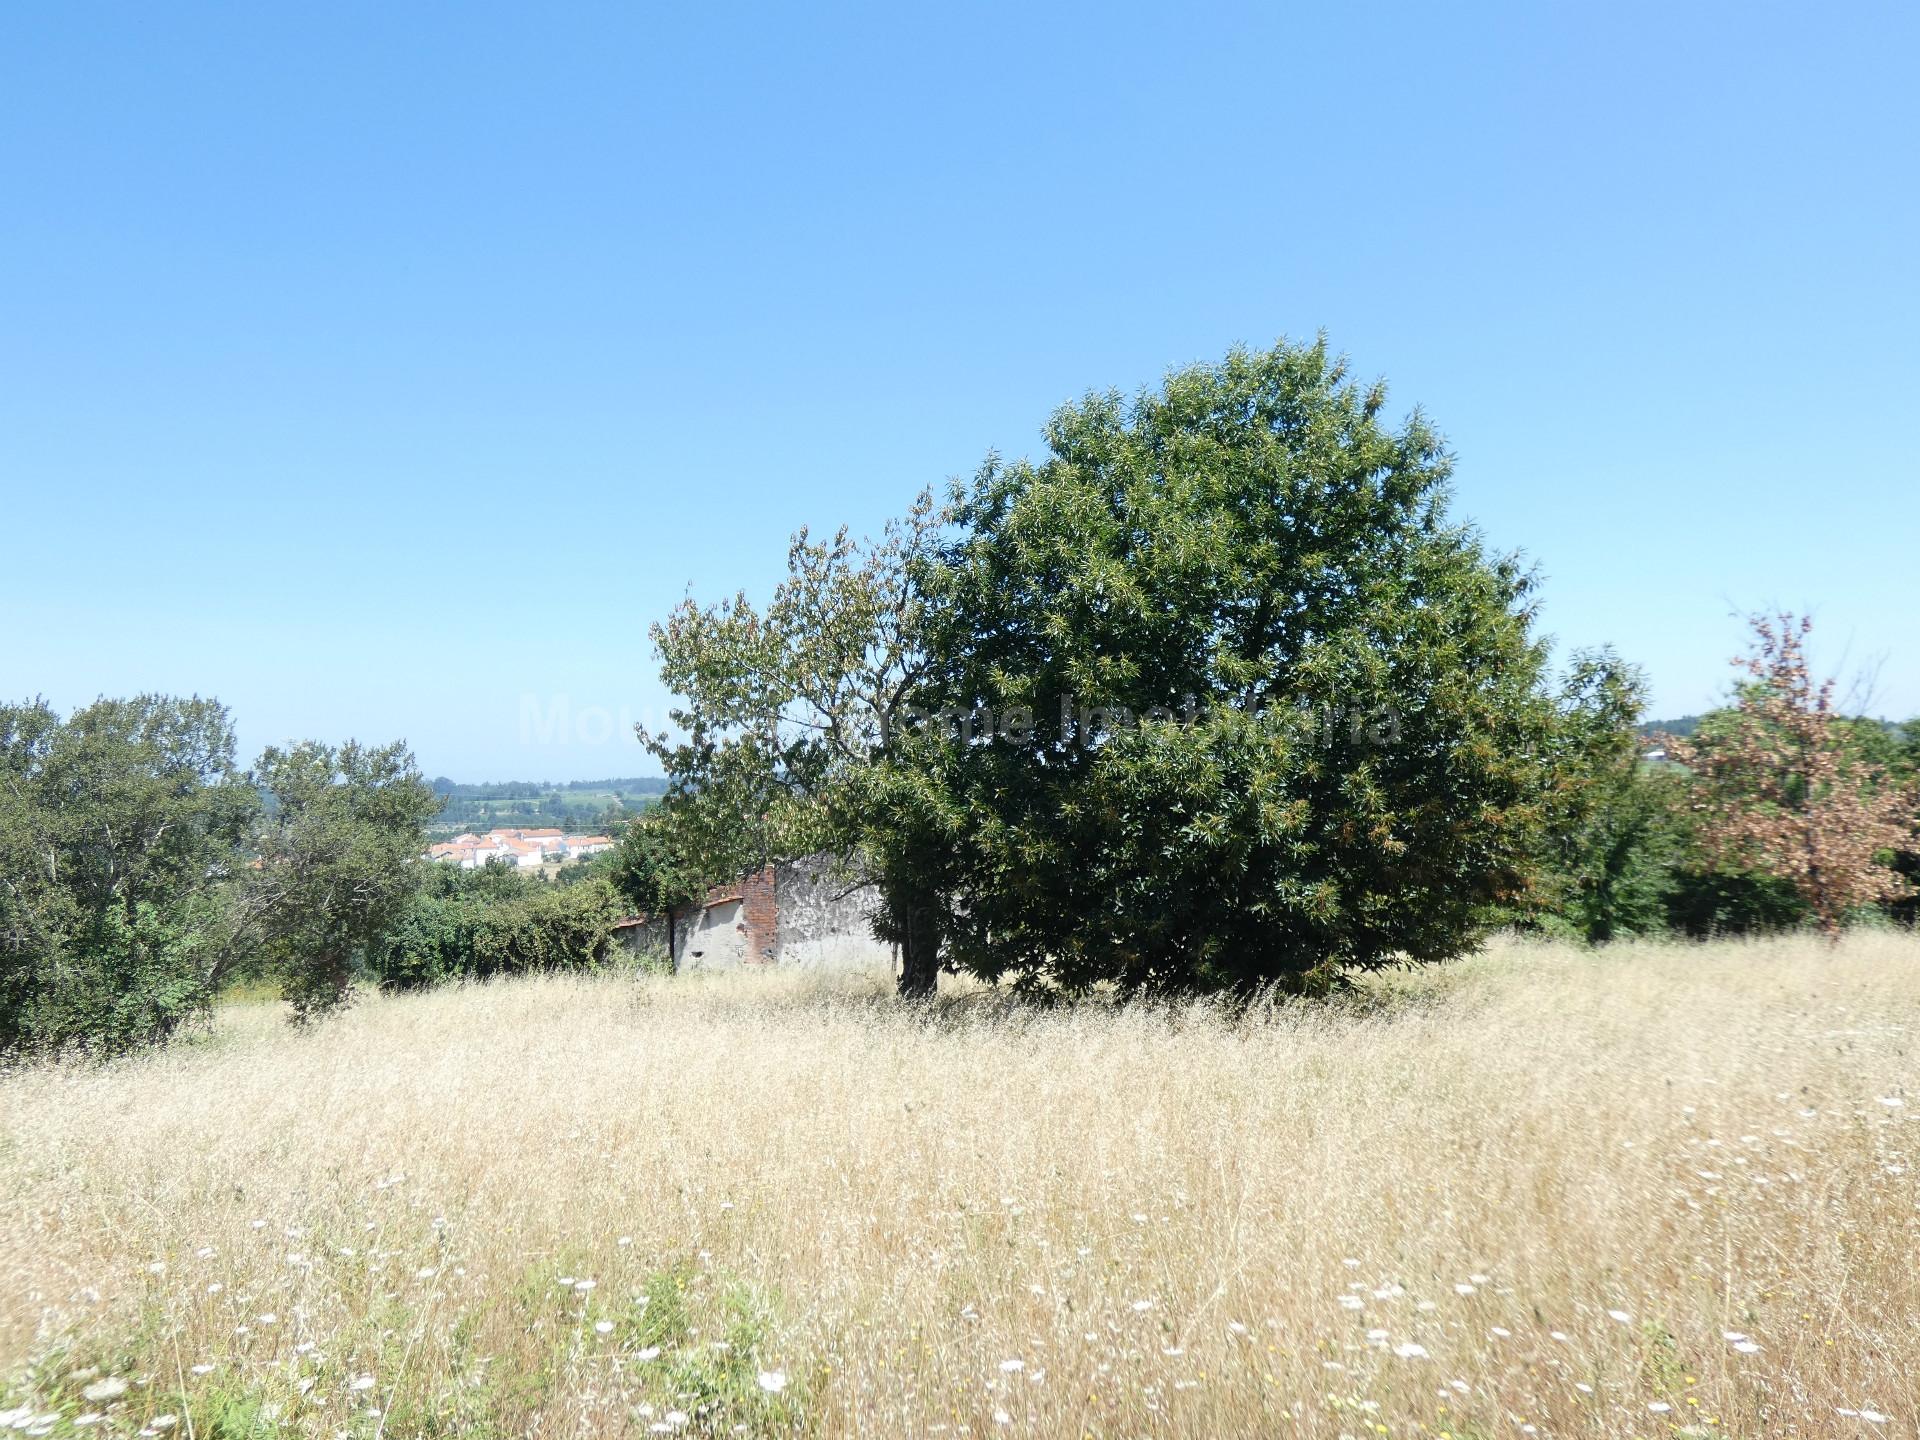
1641, 1192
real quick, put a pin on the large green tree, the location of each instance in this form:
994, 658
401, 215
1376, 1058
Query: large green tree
1220, 696
119, 828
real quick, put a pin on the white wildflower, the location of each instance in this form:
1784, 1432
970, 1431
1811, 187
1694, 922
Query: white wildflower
773, 1381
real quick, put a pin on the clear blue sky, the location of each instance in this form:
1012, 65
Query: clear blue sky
382, 369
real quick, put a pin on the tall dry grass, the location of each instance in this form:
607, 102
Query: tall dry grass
1534, 1193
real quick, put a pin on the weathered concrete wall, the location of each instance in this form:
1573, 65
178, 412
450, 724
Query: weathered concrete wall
649, 936
824, 917
805, 912
738, 926
711, 939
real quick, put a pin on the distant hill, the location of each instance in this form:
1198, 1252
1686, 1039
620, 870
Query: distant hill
589, 806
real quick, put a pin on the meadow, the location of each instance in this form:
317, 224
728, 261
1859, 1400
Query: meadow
1650, 1190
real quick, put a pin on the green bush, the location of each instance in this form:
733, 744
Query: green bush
476, 924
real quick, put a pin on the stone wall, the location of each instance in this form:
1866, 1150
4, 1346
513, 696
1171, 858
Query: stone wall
825, 916
803, 912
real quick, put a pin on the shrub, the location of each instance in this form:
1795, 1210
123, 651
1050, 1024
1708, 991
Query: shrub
476, 924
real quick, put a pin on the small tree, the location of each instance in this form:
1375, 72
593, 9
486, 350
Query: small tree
783, 714
338, 862
1781, 788
1613, 832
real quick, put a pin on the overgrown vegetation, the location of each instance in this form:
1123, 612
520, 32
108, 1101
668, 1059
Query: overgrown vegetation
1217, 696
479, 924
141, 870
1580, 1184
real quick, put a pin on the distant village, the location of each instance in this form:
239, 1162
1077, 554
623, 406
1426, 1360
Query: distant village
528, 849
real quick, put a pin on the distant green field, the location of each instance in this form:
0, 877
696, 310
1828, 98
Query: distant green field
582, 806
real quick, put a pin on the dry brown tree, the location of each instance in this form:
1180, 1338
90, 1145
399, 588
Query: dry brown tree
1782, 788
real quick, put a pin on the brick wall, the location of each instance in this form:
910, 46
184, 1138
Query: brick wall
760, 916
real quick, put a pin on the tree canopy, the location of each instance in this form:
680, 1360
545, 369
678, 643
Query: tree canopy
140, 869
1215, 694
1227, 696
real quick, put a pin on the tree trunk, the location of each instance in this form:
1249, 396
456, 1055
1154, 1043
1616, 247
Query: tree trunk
919, 959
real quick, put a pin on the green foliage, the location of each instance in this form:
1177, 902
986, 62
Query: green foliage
652, 868
716, 1384
781, 714
1708, 900
478, 924
118, 832
603, 866
338, 861
1620, 863
1615, 835
1228, 700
